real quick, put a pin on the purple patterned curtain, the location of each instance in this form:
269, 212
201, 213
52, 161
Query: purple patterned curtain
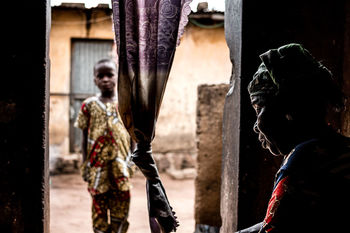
147, 33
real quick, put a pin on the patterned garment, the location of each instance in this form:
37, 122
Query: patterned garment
107, 164
117, 202
312, 189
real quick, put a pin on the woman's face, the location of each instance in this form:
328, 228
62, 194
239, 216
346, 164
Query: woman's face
271, 125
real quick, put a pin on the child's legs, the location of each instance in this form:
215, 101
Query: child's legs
99, 213
119, 203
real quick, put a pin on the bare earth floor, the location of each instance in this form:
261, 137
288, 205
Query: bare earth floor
70, 204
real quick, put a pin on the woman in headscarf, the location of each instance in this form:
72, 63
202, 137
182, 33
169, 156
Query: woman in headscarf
292, 93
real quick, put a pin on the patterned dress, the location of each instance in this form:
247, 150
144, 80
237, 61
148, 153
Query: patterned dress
106, 168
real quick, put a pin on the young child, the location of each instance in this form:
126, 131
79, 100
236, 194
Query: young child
105, 150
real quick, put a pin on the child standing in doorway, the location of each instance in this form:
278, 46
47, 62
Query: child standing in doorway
106, 153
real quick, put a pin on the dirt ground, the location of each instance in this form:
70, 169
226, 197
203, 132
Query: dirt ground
70, 204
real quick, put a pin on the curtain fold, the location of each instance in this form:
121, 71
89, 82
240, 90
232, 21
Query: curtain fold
147, 33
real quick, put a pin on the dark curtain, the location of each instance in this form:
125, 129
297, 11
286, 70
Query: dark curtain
147, 33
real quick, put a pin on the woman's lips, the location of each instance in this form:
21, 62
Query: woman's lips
263, 141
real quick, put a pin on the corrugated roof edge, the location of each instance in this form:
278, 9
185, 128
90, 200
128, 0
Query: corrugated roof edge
208, 14
81, 6
214, 15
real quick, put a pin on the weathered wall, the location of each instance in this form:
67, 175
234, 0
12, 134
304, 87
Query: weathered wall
202, 57
69, 23
24, 192
210, 108
346, 72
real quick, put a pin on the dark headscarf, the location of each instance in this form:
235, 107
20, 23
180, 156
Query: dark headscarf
293, 75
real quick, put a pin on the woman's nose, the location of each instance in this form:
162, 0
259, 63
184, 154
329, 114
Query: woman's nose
255, 127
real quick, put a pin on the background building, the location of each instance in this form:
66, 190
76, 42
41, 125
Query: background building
81, 36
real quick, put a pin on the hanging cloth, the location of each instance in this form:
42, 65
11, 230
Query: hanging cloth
147, 33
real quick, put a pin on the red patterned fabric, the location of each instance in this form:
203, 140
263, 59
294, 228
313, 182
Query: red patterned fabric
274, 202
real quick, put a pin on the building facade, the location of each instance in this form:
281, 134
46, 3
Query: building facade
81, 36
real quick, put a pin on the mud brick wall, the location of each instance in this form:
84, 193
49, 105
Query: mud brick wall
210, 107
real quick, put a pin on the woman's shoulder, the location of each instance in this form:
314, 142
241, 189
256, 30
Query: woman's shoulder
319, 155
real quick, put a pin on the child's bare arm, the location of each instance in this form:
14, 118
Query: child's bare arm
84, 144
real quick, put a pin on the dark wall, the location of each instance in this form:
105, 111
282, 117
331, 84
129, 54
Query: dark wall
24, 116
346, 72
253, 27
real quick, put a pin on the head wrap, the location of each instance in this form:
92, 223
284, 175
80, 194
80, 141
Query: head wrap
284, 65
294, 75
262, 83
